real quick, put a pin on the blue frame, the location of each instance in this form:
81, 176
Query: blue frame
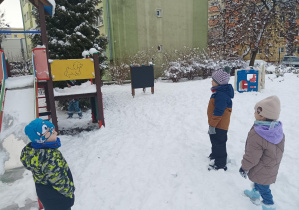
251, 86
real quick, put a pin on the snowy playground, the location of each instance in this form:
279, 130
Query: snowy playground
152, 154
150, 151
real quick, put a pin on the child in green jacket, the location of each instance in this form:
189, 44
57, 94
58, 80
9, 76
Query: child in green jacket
52, 176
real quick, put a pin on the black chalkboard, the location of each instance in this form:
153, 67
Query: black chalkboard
142, 77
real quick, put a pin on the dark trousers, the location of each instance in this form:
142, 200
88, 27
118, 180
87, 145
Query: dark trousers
218, 142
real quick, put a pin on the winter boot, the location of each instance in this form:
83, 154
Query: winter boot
268, 207
216, 168
254, 196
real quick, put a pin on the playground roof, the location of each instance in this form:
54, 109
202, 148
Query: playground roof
35, 2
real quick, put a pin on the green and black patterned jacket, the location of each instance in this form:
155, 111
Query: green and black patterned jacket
49, 167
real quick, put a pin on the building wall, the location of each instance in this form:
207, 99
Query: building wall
100, 22
135, 25
14, 49
13, 35
13, 45
28, 22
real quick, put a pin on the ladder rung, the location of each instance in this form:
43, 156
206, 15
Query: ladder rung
42, 107
44, 113
42, 97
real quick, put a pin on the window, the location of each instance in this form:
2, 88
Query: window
159, 12
159, 48
281, 34
267, 51
99, 20
214, 3
15, 36
231, 19
281, 49
282, 18
259, 51
214, 17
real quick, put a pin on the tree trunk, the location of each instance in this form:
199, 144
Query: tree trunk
252, 58
292, 26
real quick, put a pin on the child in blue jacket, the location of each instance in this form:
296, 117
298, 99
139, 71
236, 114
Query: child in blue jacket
219, 112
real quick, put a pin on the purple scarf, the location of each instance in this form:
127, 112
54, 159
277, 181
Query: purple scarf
272, 135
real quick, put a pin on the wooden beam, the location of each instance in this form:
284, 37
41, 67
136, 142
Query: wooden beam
36, 3
99, 91
75, 96
49, 82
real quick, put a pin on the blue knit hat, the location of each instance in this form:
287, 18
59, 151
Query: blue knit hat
37, 129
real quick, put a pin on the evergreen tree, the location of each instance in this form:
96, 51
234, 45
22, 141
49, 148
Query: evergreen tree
71, 30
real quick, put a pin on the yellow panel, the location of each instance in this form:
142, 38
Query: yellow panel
72, 69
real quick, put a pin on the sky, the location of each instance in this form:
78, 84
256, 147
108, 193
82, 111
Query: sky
13, 14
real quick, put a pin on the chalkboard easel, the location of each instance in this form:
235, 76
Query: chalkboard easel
142, 77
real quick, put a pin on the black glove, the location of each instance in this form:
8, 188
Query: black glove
243, 173
212, 130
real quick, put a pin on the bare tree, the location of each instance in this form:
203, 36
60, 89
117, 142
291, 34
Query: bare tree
290, 7
217, 42
252, 25
2, 24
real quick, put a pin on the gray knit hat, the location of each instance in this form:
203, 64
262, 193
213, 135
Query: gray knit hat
222, 76
269, 107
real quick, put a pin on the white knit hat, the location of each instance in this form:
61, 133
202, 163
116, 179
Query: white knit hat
268, 107
222, 76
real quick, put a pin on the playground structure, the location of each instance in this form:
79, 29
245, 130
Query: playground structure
142, 77
62, 70
3, 77
43, 78
250, 80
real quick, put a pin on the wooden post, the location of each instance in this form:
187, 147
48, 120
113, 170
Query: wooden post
98, 88
7, 68
42, 20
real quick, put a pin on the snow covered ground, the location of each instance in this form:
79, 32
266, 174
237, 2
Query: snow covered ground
152, 154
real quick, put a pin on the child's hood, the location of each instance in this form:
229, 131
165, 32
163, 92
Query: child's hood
228, 89
272, 135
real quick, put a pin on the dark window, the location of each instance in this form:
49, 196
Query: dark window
159, 12
159, 48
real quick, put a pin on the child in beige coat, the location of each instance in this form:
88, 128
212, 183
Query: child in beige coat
263, 151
